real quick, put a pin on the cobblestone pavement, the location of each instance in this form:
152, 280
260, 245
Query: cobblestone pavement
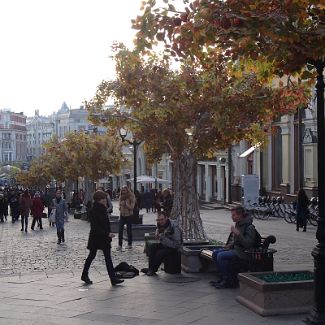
37, 250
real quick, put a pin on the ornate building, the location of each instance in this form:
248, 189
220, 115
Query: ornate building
40, 129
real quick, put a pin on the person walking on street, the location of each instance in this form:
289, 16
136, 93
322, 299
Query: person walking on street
25, 207
3, 207
60, 206
302, 210
147, 200
126, 204
37, 210
100, 238
14, 206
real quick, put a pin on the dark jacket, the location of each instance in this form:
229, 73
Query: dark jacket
172, 235
302, 208
99, 228
37, 207
25, 204
3, 206
245, 240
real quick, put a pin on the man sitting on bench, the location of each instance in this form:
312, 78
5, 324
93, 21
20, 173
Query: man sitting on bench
241, 238
169, 235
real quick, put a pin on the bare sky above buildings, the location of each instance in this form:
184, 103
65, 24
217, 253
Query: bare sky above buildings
58, 50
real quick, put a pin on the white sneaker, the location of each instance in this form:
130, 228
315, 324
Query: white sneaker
119, 248
129, 246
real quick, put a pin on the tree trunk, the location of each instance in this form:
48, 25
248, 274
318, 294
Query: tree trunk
186, 201
89, 189
68, 190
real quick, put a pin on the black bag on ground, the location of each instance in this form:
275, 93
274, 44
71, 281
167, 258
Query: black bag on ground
125, 271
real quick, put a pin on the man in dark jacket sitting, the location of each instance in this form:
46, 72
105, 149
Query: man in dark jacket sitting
241, 238
170, 239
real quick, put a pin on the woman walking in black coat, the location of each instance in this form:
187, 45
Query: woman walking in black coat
100, 237
302, 210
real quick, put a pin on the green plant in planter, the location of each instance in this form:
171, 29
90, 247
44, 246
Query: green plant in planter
286, 277
215, 242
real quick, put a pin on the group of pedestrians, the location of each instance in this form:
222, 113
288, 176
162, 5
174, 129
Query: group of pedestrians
28, 203
153, 200
21, 203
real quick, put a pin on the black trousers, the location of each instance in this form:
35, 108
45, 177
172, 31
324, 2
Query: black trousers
108, 260
122, 222
302, 222
39, 219
157, 254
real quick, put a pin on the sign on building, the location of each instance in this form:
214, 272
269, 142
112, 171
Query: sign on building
250, 189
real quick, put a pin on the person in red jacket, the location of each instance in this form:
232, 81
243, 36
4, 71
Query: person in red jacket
37, 210
25, 204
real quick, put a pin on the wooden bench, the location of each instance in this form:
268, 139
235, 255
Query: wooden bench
259, 259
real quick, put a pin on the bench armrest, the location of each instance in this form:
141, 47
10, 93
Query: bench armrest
267, 241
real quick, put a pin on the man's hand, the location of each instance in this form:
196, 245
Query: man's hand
234, 230
111, 235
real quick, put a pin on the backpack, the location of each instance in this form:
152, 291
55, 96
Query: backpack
125, 271
258, 237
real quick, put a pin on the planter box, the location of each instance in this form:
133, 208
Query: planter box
191, 261
275, 298
138, 231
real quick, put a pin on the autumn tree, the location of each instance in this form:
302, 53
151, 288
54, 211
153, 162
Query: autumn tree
38, 175
189, 113
78, 155
288, 35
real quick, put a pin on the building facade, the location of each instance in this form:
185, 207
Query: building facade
287, 162
13, 136
40, 130
71, 120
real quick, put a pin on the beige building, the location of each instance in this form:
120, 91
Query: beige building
40, 130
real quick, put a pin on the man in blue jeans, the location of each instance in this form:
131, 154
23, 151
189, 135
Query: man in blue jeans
241, 238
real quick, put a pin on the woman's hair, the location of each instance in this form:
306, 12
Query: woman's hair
302, 194
99, 195
166, 192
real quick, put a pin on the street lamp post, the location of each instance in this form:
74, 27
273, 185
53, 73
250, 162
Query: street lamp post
135, 144
318, 311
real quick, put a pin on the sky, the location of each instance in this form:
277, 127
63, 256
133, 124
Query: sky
58, 50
